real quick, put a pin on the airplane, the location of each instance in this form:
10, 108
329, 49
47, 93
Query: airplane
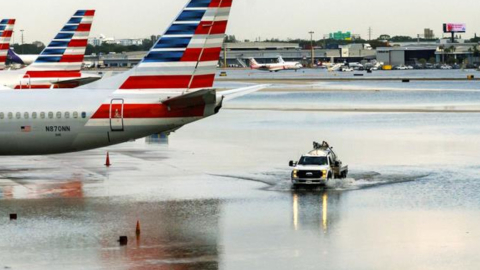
169, 88
59, 64
280, 65
22, 59
6, 32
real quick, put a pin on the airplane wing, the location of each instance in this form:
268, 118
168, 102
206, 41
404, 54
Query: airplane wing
236, 93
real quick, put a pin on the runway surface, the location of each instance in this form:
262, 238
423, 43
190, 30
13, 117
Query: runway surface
217, 195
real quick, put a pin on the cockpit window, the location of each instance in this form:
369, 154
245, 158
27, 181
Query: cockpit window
313, 161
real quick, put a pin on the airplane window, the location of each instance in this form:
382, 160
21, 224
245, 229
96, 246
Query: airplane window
25, 115
18, 115
84, 115
59, 115
34, 115
2, 115
75, 114
67, 115
10, 115
50, 115
42, 115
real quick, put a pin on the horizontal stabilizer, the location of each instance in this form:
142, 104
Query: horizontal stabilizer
236, 93
77, 81
192, 99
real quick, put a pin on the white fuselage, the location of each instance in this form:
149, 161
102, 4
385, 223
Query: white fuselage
279, 66
12, 78
16, 79
34, 122
28, 59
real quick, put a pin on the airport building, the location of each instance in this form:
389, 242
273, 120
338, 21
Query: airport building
115, 60
239, 55
397, 56
460, 53
411, 54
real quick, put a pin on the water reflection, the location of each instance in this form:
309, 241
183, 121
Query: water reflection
25, 189
175, 235
6, 192
157, 139
314, 210
325, 211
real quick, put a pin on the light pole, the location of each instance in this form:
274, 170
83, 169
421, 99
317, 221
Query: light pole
22, 39
313, 51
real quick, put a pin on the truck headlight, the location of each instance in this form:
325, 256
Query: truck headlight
294, 174
324, 173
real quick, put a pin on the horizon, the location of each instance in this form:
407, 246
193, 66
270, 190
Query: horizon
113, 18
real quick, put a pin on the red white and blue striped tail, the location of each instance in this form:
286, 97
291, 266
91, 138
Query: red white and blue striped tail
63, 57
185, 58
6, 32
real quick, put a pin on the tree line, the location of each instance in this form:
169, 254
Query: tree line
105, 48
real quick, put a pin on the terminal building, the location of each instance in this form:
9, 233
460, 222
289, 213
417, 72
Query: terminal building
435, 52
397, 56
239, 54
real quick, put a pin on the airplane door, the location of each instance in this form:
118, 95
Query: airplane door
116, 115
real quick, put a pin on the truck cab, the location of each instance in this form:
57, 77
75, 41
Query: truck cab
317, 167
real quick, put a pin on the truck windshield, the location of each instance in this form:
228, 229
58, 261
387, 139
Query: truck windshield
313, 161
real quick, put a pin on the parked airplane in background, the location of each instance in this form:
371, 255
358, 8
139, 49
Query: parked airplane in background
169, 88
58, 66
6, 32
22, 59
281, 65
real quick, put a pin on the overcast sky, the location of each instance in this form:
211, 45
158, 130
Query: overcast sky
42, 19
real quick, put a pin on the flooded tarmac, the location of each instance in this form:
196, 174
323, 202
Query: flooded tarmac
216, 194
324, 74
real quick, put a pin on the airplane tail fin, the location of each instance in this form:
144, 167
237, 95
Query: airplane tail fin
6, 32
185, 58
280, 59
63, 57
13, 57
253, 63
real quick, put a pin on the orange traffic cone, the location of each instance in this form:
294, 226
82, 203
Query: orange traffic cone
107, 163
137, 231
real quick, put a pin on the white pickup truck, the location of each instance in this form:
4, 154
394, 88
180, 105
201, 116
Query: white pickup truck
318, 166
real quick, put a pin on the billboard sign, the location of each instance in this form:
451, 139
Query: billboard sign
454, 28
